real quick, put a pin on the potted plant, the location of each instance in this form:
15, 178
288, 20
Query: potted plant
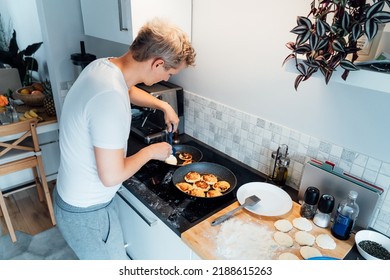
22, 60
327, 37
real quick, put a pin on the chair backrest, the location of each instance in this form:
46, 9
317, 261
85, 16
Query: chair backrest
19, 132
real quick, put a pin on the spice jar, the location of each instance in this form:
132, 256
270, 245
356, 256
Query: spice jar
310, 199
324, 210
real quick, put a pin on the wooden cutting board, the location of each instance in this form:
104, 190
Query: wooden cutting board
202, 237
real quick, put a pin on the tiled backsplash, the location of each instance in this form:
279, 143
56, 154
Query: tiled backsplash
251, 140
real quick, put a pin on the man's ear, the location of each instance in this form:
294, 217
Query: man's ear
158, 62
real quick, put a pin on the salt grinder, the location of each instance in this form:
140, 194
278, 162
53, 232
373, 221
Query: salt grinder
324, 210
310, 199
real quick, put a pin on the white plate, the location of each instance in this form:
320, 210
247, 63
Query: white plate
274, 200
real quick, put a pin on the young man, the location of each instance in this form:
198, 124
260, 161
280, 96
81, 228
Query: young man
94, 130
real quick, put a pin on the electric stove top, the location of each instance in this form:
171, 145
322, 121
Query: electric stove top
153, 186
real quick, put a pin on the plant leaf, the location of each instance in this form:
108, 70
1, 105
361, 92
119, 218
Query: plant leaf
370, 29
348, 65
356, 32
298, 80
383, 17
290, 45
320, 28
323, 43
13, 45
300, 29
301, 68
313, 41
31, 49
304, 21
337, 46
31, 63
303, 38
302, 49
345, 22
290, 56
377, 7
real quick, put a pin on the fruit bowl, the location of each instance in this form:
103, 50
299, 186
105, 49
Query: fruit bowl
371, 236
29, 96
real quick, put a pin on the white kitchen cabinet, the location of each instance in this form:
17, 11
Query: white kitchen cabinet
146, 236
120, 20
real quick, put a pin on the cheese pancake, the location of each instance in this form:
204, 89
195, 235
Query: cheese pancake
197, 192
187, 162
184, 186
192, 177
210, 179
222, 186
202, 185
185, 156
213, 193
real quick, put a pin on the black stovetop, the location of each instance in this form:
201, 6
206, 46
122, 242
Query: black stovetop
152, 185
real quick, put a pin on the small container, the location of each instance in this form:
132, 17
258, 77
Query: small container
278, 169
310, 200
324, 211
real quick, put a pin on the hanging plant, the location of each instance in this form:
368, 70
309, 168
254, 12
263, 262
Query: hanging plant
327, 37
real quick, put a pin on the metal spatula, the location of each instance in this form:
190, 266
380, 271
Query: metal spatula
249, 201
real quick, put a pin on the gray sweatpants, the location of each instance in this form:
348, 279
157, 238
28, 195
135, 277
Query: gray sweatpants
94, 233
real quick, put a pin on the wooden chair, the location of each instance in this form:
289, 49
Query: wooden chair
19, 153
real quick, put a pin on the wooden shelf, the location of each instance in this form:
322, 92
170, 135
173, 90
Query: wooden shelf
362, 78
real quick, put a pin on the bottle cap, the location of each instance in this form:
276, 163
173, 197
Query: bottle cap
353, 194
311, 196
326, 203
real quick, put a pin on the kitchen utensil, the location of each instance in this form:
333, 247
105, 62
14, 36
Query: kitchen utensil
275, 201
170, 141
220, 171
249, 201
370, 235
196, 153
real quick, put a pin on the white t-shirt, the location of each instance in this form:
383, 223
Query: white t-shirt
96, 113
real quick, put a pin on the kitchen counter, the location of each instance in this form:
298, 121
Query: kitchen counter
195, 236
202, 237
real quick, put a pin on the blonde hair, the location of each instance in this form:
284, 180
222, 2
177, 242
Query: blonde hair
160, 39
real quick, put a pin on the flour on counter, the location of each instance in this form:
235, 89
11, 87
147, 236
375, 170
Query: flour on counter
238, 240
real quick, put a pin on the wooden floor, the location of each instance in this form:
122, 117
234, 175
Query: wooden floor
27, 213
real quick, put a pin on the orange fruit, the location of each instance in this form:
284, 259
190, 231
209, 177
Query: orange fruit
24, 91
38, 86
36, 92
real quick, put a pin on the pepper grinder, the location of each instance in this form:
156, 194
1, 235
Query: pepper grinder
324, 210
310, 199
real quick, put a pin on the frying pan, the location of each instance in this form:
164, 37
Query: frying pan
222, 173
196, 154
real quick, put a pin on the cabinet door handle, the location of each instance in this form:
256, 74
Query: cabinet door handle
122, 26
149, 222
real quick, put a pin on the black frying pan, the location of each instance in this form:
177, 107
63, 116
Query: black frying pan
196, 154
222, 173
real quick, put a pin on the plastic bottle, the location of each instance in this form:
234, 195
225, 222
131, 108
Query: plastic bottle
347, 213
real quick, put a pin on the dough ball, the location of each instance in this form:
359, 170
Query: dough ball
302, 224
308, 252
288, 256
283, 225
304, 238
283, 239
171, 160
324, 241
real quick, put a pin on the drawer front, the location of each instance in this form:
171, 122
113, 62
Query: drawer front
147, 237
